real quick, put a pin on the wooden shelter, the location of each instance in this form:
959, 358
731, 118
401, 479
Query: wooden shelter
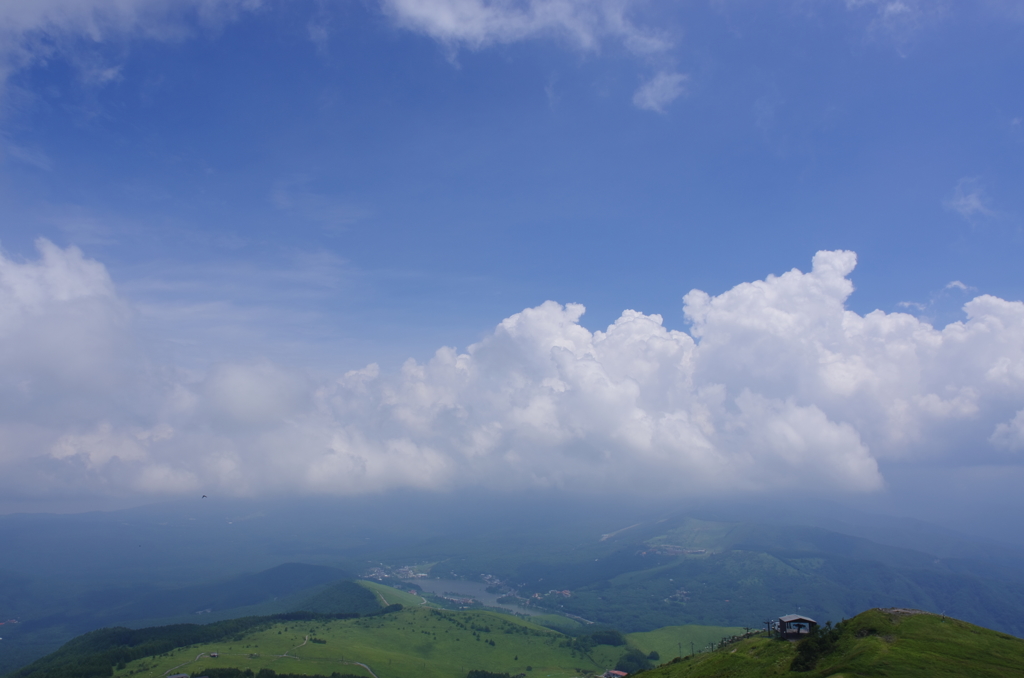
794, 626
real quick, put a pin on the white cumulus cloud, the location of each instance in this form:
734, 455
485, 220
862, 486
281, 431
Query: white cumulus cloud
776, 386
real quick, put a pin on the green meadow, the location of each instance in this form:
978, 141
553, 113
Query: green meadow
418, 640
674, 641
422, 642
388, 595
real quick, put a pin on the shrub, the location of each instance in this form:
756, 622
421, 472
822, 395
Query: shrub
608, 637
818, 643
633, 661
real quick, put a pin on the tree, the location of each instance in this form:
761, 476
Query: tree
633, 661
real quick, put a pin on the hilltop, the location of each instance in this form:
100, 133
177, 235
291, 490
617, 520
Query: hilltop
895, 643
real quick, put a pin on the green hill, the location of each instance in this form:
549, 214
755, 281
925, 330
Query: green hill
391, 643
421, 642
895, 643
387, 595
342, 597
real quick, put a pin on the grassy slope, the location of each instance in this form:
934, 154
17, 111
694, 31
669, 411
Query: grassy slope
667, 641
892, 645
388, 595
418, 642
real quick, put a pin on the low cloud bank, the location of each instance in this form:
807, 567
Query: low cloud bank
777, 386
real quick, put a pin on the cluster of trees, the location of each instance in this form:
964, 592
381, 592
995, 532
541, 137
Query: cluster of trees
479, 673
263, 673
607, 637
821, 641
585, 643
634, 661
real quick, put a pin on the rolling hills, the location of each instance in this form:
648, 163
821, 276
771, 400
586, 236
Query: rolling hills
392, 643
681, 570
61, 576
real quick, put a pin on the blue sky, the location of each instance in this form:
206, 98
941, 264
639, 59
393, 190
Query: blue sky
302, 188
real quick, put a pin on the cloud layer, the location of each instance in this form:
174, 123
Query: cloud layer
31, 30
476, 23
34, 29
777, 386
469, 23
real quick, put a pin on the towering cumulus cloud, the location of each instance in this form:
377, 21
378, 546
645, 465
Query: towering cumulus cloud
776, 386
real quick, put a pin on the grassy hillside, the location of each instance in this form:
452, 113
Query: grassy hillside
388, 595
420, 642
671, 641
891, 643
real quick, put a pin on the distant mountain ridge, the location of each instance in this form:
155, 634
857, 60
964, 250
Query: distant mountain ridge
681, 570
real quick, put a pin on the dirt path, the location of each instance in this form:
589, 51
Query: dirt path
192, 661
364, 666
291, 656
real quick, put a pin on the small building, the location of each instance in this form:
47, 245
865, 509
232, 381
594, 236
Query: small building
614, 674
794, 626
